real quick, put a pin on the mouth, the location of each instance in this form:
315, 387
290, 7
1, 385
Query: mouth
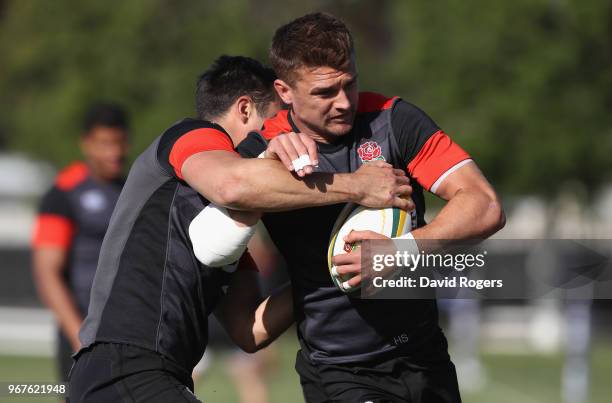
342, 119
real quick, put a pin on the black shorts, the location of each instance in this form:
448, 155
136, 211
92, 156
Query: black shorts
397, 379
109, 372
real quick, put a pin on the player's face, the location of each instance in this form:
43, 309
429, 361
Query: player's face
324, 100
105, 149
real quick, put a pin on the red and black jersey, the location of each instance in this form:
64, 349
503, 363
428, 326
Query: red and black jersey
73, 216
332, 326
150, 290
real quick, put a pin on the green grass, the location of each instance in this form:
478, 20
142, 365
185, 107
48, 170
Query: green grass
510, 378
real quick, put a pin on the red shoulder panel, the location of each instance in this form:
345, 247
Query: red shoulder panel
194, 142
373, 102
276, 125
72, 175
52, 231
437, 156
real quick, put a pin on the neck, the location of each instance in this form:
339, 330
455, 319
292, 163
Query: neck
300, 127
231, 129
95, 175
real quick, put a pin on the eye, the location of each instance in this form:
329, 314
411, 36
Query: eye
326, 93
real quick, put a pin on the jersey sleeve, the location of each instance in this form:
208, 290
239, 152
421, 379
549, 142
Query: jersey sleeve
187, 138
429, 153
54, 225
195, 142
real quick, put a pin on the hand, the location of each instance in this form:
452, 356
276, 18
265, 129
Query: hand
392, 186
75, 343
350, 263
288, 147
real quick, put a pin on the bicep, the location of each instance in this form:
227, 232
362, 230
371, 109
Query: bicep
242, 297
54, 226
429, 154
210, 172
49, 260
466, 177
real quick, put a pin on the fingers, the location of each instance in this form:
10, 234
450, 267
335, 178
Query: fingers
298, 149
353, 282
402, 181
399, 172
404, 204
346, 259
404, 191
293, 149
348, 269
356, 236
311, 147
276, 150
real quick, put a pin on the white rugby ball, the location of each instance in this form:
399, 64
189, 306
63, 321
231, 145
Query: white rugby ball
391, 222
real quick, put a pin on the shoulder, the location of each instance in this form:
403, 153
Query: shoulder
276, 125
186, 138
193, 128
71, 176
375, 102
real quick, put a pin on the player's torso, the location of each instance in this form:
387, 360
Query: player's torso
149, 289
334, 327
92, 203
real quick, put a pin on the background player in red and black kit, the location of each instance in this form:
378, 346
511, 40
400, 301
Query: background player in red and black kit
357, 350
71, 223
147, 324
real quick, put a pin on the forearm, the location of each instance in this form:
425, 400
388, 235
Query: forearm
250, 320
272, 317
469, 215
266, 185
57, 297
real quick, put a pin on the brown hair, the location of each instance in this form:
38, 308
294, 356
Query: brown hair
314, 40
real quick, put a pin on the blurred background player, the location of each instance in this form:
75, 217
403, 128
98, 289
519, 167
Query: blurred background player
72, 221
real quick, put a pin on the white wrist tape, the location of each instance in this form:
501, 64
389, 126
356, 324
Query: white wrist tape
409, 244
217, 239
301, 162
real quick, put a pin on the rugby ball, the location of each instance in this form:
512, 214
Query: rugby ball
391, 222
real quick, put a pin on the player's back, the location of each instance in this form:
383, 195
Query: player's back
149, 290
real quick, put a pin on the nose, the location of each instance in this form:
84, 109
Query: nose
342, 101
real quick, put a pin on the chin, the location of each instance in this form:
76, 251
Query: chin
340, 130
112, 174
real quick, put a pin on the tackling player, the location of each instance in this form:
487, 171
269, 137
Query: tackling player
147, 323
71, 223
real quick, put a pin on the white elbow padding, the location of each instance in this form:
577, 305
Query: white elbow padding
217, 239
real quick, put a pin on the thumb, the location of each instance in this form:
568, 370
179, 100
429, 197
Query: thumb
355, 236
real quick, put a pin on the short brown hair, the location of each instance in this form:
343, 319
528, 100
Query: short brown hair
314, 40
227, 79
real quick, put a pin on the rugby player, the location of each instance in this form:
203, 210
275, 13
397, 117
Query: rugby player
71, 223
147, 322
358, 350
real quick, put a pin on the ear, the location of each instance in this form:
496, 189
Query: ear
284, 91
245, 108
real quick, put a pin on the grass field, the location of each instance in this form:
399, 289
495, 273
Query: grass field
510, 378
